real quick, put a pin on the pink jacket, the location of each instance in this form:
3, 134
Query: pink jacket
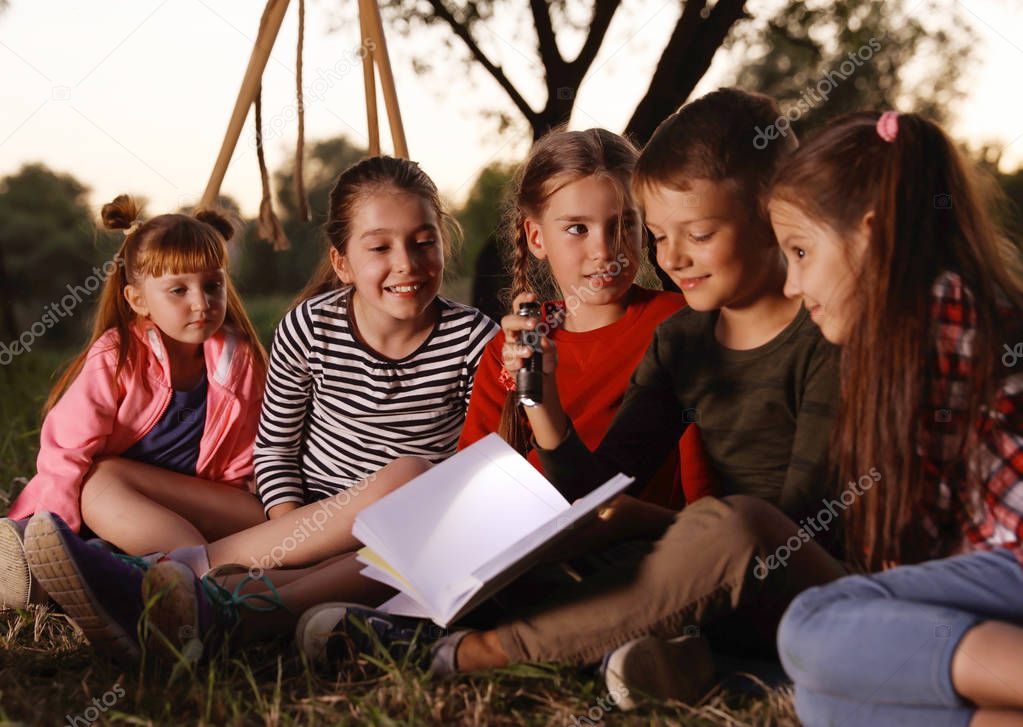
99, 416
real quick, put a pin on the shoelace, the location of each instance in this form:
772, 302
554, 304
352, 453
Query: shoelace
140, 563
227, 601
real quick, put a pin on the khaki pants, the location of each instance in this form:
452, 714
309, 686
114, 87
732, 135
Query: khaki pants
702, 574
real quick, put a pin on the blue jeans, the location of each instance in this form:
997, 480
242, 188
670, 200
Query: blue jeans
877, 650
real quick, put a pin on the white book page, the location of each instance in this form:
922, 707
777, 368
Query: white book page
459, 515
403, 605
557, 526
508, 565
371, 571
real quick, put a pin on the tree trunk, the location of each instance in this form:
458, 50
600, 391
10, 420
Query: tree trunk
6, 303
557, 111
685, 60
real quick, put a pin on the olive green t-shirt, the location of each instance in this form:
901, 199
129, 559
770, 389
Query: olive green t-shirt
765, 414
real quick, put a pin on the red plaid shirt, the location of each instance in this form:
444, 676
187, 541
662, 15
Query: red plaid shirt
980, 500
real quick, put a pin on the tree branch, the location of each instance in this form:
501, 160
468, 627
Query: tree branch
603, 12
546, 44
685, 60
496, 71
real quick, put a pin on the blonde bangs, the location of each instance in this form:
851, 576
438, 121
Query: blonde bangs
184, 248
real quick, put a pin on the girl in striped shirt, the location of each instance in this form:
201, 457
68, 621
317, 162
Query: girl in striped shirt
370, 373
371, 364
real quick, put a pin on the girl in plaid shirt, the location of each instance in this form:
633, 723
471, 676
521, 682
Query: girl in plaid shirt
892, 247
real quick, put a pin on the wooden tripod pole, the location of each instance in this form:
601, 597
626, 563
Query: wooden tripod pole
376, 28
369, 78
269, 27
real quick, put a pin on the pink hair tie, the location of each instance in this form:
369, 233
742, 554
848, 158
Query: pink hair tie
888, 125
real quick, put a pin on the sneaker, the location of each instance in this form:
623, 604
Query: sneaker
15, 575
444, 654
192, 614
332, 634
97, 590
681, 669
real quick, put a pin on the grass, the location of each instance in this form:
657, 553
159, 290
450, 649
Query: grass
50, 675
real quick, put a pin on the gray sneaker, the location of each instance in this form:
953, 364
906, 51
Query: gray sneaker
333, 634
681, 669
15, 576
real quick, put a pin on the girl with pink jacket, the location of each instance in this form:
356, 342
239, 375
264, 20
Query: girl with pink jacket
147, 437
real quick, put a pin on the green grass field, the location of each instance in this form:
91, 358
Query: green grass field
50, 675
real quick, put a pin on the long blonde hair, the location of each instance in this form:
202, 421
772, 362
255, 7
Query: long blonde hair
172, 243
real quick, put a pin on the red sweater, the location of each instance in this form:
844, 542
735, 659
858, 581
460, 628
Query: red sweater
593, 373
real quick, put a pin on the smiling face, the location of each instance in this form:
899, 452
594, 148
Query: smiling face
576, 234
709, 242
187, 307
394, 257
823, 268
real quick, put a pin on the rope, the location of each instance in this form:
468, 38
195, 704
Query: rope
269, 227
301, 202
269, 25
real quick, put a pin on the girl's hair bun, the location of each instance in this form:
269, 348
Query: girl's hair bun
119, 214
217, 220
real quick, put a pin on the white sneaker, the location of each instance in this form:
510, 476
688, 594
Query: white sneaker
15, 576
681, 669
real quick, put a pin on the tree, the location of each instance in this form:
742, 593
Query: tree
480, 216
48, 241
258, 268
700, 30
481, 256
800, 40
824, 59
1012, 186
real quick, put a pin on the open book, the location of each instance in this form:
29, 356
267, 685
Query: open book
454, 536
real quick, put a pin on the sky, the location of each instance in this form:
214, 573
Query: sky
134, 95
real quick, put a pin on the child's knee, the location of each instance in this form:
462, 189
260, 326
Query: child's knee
805, 624
794, 634
100, 476
107, 468
107, 478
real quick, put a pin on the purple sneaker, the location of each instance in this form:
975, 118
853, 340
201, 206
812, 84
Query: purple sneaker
99, 591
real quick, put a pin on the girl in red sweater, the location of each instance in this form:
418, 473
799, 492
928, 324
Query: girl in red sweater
573, 231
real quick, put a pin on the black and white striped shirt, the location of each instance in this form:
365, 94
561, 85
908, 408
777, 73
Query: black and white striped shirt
336, 411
